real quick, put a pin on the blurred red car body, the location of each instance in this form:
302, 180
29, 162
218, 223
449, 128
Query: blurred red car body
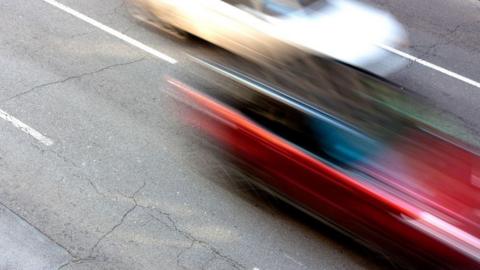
415, 214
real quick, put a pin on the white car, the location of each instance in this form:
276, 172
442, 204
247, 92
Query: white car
276, 30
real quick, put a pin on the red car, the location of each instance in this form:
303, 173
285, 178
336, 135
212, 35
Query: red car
397, 185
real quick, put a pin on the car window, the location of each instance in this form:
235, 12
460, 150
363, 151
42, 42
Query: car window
285, 7
247, 3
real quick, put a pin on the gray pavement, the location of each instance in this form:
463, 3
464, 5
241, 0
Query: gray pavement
447, 34
24, 247
124, 186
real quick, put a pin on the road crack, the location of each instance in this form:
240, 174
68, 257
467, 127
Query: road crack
91, 257
122, 219
172, 224
73, 164
40, 86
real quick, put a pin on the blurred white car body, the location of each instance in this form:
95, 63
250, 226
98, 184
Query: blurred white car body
276, 30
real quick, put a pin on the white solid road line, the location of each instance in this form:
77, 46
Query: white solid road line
432, 66
112, 31
25, 128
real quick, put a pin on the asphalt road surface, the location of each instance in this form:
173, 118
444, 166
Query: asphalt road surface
96, 172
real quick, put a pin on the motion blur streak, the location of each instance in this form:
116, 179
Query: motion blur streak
386, 213
449, 234
300, 101
290, 151
278, 31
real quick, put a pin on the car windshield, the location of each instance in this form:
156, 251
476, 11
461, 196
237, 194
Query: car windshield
284, 7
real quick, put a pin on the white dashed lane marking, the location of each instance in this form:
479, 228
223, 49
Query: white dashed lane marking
112, 32
25, 128
432, 66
